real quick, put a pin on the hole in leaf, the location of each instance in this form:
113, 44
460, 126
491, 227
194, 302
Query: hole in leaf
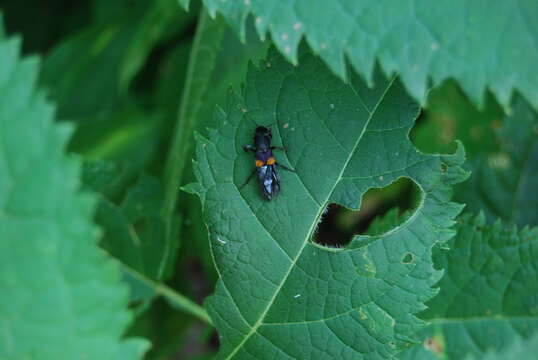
382, 209
408, 258
444, 167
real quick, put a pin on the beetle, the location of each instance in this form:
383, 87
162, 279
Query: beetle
265, 162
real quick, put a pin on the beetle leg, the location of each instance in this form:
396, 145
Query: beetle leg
284, 167
248, 179
248, 148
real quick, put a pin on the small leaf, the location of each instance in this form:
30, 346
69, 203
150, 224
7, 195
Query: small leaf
479, 45
62, 298
280, 295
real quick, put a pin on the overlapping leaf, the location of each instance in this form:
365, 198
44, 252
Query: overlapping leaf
479, 44
280, 295
61, 298
488, 293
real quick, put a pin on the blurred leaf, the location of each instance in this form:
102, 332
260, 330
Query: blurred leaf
142, 206
171, 82
134, 230
168, 330
44, 23
163, 19
450, 116
388, 221
279, 292
504, 184
519, 349
62, 297
105, 177
129, 136
80, 72
88, 73
147, 288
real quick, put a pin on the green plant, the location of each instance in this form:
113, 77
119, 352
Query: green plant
407, 228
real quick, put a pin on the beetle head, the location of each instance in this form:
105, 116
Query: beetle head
263, 131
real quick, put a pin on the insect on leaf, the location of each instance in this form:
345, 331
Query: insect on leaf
280, 295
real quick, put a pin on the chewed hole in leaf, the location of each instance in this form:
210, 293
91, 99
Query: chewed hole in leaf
408, 258
382, 209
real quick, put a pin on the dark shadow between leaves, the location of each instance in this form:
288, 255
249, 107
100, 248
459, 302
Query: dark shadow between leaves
382, 209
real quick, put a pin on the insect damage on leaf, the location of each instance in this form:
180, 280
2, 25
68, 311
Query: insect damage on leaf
341, 140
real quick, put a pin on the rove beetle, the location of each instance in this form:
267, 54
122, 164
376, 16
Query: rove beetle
268, 179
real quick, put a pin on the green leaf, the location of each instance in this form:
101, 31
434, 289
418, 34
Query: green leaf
162, 19
480, 45
391, 219
62, 296
134, 232
147, 289
88, 73
129, 136
520, 349
280, 295
488, 293
504, 183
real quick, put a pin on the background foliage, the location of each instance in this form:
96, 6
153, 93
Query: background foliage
100, 132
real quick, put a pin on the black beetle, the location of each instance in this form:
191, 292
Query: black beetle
268, 179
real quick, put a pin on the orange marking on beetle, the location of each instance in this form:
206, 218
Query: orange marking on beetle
271, 161
259, 163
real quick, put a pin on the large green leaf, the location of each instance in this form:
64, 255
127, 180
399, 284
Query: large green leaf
480, 45
280, 295
488, 293
504, 183
61, 297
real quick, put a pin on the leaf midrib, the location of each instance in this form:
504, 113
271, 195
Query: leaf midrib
312, 227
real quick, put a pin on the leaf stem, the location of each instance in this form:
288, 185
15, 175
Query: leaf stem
176, 299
